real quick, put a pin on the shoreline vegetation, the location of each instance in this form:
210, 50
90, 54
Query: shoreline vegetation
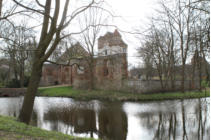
11, 129
68, 91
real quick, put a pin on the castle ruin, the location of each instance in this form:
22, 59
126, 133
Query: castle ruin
110, 66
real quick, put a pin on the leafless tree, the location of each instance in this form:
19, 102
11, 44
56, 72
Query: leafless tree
200, 40
182, 17
51, 34
18, 41
169, 41
0, 6
88, 39
158, 48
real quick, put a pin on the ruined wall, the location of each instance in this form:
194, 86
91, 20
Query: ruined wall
49, 75
110, 71
55, 74
154, 86
81, 75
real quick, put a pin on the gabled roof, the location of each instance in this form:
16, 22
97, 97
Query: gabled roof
74, 52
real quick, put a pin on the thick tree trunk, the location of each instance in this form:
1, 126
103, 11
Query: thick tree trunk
0, 7
28, 103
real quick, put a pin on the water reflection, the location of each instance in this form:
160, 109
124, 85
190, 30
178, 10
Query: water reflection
112, 122
166, 120
78, 120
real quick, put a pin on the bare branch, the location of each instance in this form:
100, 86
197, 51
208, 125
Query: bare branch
31, 9
37, 1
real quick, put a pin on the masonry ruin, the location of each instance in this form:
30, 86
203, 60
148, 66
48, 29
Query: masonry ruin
110, 66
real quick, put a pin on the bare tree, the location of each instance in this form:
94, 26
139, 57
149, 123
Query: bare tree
169, 39
92, 17
1, 1
182, 17
158, 48
51, 35
18, 41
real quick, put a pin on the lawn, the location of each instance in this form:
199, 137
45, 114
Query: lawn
11, 129
116, 96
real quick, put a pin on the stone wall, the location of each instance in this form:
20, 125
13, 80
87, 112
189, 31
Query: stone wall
12, 92
110, 71
55, 75
154, 86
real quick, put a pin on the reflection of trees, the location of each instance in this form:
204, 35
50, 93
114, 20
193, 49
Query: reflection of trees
201, 113
79, 119
166, 126
112, 123
183, 123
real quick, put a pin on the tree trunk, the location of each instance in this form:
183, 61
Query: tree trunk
22, 75
15, 69
172, 79
183, 77
183, 122
91, 77
200, 75
0, 7
28, 103
193, 75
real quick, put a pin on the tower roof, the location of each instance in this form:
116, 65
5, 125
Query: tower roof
112, 39
116, 33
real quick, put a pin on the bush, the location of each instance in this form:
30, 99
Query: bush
205, 83
16, 83
1, 85
13, 83
26, 81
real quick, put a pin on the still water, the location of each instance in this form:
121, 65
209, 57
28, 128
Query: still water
163, 120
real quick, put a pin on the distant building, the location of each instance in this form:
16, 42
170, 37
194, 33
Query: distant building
110, 67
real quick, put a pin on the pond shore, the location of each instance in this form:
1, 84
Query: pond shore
117, 96
11, 129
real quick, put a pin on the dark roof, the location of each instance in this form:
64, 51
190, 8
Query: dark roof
113, 39
75, 51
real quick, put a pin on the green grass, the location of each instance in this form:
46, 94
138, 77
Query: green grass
11, 129
116, 96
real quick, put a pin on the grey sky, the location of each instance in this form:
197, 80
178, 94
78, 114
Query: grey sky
133, 13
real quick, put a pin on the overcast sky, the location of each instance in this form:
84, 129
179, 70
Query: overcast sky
135, 14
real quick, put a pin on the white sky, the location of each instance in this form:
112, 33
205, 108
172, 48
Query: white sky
134, 13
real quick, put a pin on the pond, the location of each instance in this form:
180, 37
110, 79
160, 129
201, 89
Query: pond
163, 120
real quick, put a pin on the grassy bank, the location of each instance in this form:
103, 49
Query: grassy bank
116, 96
10, 129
